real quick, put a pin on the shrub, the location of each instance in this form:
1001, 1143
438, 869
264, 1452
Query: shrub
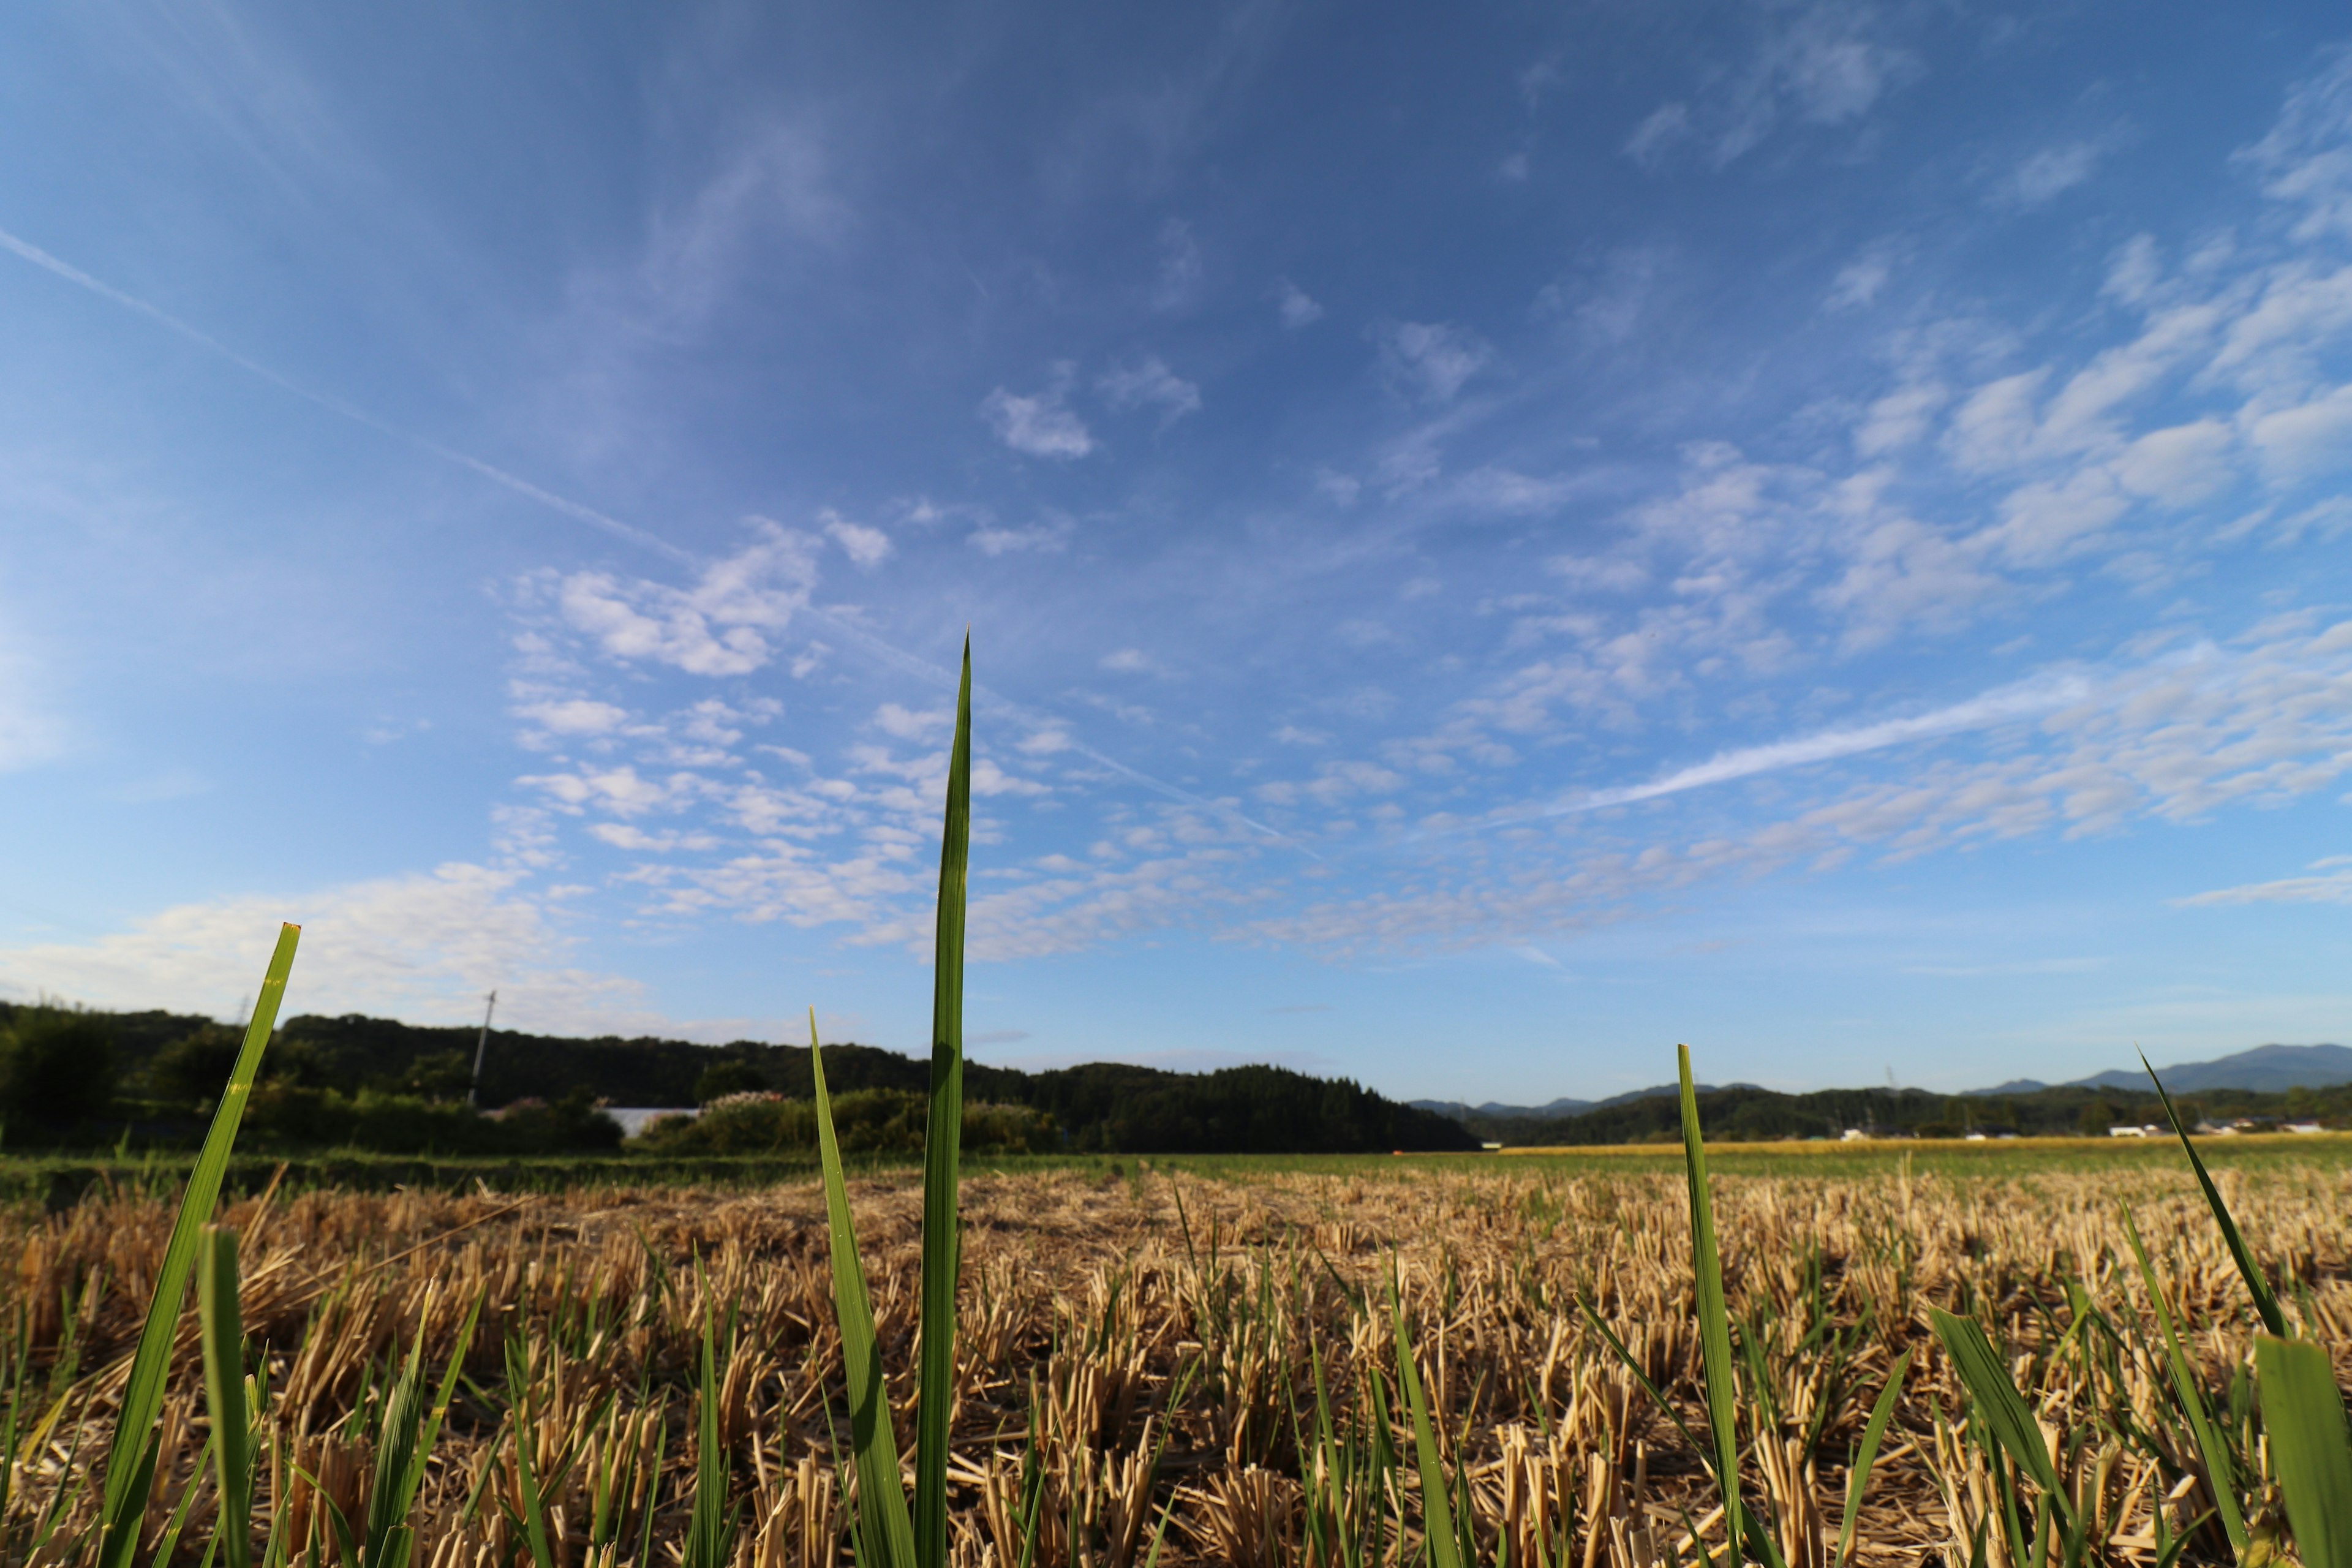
56, 1065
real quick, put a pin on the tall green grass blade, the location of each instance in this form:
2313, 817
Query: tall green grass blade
221, 1319
2221, 1473
2302, 1412
2266, 1305
1438, 1538
526, 1479
1864, 1457
169, 1541
124, 1499
943, 1149
709, 1543
1713, 1317
1992, 1394
888, 1534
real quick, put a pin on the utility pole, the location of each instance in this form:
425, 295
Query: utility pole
482, 1045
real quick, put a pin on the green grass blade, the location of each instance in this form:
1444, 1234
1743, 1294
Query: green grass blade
1436, 1514
124, 1503
2266, 1305
221, 1319
2220, 1474
2302, 1412
881, 1501
1858, 1481
943, 1149
708, 1541
1713, 1317
1657, 1395
1992, 1393
170, 1541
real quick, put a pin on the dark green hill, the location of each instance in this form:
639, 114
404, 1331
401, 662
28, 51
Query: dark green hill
1104, 1106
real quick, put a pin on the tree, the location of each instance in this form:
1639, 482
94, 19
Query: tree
440, 1075
56, 1065
193, 1068
2095, 1118
722, 1078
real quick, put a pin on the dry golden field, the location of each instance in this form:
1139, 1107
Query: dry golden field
1148, 1346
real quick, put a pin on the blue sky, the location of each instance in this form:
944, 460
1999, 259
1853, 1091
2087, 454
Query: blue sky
1496, 540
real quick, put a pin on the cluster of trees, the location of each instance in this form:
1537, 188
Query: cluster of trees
376, 1083
866, 1121
1746, 1113
73, 1077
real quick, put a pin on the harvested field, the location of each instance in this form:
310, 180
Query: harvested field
1148, 1346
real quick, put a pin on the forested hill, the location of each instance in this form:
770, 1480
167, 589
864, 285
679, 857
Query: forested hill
1102, 1105
1106, 1106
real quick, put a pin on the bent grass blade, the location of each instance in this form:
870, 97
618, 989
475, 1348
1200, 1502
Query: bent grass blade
129, 1470
2220, 1474
2266, 1305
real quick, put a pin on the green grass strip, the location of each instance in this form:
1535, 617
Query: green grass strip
888, 1534
2266, 1305
2220, 1474
2302, 1410
943, 1243
130, 1467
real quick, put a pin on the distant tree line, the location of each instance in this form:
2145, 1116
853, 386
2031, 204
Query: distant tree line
1746, 1113
75, 1077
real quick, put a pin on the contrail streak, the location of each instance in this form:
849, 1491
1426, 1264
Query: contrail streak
873, 646
2020, 700
333, 404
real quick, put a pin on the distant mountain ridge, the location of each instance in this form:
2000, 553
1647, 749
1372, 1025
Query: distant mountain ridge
1563, 1107
2264, 1069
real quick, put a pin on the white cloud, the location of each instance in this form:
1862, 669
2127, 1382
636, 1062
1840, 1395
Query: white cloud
1860, 281
619, 790
2048, 173
575, 716
2308, 440
1148, 381
1432, 360
2331, 883
2306, 159
1661, 130
423, 946
1294, 305
1046, 538
1179, 266
1039, 426
1125, 661
1900, 419
867, 546
2178, 466
711, 628
907, 725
